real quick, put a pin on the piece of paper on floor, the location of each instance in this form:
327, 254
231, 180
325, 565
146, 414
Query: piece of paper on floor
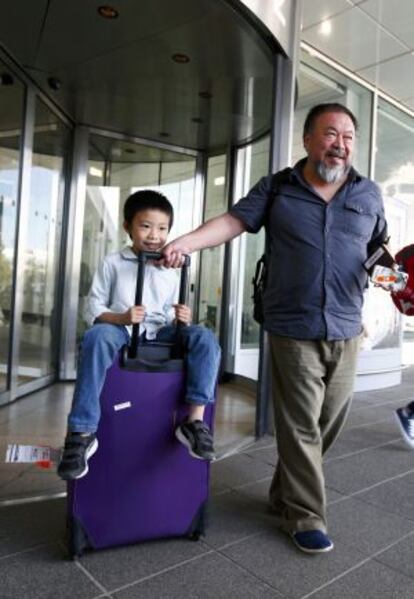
27, 454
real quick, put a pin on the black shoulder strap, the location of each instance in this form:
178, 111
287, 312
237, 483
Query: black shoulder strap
277, 180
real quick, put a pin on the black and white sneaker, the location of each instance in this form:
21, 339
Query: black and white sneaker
76, 453
405, 419
196, 436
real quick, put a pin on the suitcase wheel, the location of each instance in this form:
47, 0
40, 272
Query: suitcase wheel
195, 535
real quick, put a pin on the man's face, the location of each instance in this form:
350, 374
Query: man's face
330, 146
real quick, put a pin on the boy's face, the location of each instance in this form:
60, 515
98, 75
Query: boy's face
148, 230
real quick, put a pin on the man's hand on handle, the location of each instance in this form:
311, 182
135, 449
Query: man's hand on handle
173, 254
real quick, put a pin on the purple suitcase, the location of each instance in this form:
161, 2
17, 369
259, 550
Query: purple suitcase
142, 483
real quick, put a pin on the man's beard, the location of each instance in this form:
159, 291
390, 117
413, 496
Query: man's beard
332, 174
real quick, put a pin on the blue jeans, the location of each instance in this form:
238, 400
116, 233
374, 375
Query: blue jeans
99, 347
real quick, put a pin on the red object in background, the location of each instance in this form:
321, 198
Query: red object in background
404, 300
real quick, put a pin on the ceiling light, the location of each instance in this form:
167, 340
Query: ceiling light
180, 58
219, 181
325, 27
108, 12
54, 83
95, 172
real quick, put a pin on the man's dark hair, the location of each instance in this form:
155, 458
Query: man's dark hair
147, 200
319, 109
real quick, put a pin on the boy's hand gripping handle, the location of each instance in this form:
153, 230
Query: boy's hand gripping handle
143, 257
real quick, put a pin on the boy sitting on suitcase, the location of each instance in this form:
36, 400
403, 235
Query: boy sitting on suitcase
148, 217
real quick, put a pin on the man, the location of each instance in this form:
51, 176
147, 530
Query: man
321, 223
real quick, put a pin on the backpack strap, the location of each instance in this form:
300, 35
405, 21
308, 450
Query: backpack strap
278, 179
260, 276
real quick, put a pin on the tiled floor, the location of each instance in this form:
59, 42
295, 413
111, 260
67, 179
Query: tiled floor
370, 481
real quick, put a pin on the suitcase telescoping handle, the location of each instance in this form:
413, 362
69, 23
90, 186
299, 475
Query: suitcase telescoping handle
143, 257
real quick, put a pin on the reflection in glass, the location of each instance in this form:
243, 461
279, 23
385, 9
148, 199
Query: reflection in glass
212, 260
259, 167
394, 171
37, 356
11, 117
319, 83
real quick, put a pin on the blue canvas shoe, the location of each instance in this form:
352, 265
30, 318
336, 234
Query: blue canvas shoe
312, 541
405, 419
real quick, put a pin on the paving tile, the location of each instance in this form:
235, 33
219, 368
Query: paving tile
267, 454
359, 471
370, 581
43, 573
357, 439
211, 576
273, 558
119, 566
364, 526
239, 469
399, 557
233, 517
370, 414
27, 525
34, 482
395, 497
265, 441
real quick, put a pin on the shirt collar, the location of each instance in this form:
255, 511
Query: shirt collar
128, 254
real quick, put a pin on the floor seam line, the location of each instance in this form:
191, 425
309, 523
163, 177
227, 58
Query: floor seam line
379, 405
159, 572
96, 582
28, 550
401, 475
252, 574
357, 566
359, 451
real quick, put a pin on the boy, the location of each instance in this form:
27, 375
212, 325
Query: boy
148, 218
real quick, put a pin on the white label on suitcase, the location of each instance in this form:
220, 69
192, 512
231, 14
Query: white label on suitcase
122, 406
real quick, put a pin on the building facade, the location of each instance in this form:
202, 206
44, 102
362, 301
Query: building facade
197, 99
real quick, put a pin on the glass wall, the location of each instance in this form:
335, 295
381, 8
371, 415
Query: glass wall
318, 83
11, 119
258, 167
252, 164
392, 167
394, 171
40, 315
115, 169
212, 260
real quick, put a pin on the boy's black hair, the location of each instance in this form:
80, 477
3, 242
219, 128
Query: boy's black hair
319, 109
147, 200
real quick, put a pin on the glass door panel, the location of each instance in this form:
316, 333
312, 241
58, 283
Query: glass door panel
11, 118
38, 338
252, 164
117, 168
258, 167
212, 260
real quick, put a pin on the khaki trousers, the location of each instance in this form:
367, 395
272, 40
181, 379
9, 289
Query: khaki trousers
312, 393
